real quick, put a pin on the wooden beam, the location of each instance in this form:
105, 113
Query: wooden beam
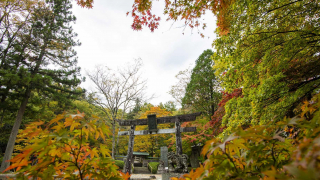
161, 120
160, 131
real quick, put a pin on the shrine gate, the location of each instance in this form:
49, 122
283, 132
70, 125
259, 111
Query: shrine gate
152, 123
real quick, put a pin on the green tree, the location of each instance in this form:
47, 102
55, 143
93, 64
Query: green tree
272, 53
169, 106
202, 92
46, 39
134, 111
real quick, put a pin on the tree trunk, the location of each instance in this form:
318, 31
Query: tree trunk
8, 153
113, 136
212, 101
117, 147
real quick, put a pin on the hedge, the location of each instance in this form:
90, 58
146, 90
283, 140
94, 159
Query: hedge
153, 167
119, 163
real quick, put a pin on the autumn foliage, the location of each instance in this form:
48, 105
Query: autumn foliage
188, 11
85, 3
142, 16
69, 146
216, 119
288, 149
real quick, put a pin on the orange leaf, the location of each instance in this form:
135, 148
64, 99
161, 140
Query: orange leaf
125, 176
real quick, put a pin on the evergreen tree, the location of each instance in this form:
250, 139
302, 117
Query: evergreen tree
133, 112
44, 60
202, 91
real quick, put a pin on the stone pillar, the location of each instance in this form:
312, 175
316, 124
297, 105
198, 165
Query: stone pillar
194, 158
178, 139
129, 160
164, 155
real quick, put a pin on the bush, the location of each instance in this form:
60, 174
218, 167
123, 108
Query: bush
153, 167
62, 141
119, 163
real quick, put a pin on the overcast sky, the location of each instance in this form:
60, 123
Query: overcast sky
107, 38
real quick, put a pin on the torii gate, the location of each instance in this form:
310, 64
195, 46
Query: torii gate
152, 122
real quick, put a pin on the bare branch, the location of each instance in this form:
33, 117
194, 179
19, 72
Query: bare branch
117, 90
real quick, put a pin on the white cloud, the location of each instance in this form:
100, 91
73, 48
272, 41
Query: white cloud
107, 38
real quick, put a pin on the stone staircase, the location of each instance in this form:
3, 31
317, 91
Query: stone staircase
141, 170
146, 177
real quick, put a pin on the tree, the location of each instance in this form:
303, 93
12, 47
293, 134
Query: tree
134, 111
178, 91
47, 38
169, 106
117, 89
202, 92
272, 53
283, 150
15, 16
66, 146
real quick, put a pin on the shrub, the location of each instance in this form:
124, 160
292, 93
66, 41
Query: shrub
119, 163
62, 147
153, 167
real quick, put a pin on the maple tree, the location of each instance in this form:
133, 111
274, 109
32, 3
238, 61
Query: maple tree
70, 146
198, 138
188, 11
283, 150
271, 54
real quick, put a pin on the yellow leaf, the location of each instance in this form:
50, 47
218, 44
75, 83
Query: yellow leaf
94, 116
73, 125
94, 152
86, 131
102, 135
104, 150
58, 127
97, 135
55, 152
59, 117
68, 122
39, 123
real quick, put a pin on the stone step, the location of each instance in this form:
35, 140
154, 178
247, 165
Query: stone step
146, 177
141, 170
137, 164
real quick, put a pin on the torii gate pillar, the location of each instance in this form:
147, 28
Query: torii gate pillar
128, 163
178, 139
